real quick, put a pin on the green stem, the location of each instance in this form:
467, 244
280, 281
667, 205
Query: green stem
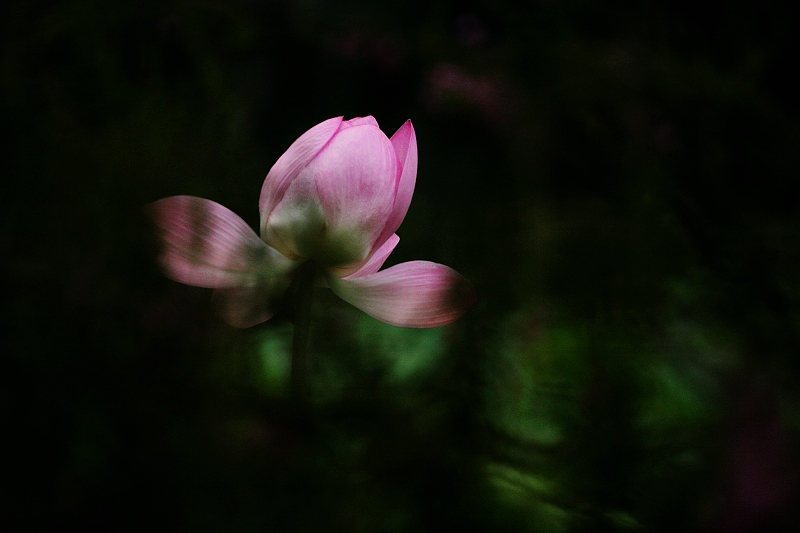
303, 299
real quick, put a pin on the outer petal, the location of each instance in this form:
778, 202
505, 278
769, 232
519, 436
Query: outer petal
372, 264
297, 223
417, 294
207, 245
405, 145
291, 163
355, 176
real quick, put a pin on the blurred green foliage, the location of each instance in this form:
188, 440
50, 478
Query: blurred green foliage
617, 180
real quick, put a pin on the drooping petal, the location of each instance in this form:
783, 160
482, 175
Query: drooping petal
405, 145
417, 294
355, 179
291, 163
207, 245
372, 264
246, 306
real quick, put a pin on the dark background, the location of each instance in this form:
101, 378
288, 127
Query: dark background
616, 179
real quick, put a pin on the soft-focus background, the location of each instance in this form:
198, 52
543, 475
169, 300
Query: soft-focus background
615, 178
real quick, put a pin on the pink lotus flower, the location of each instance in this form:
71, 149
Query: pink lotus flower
335, 197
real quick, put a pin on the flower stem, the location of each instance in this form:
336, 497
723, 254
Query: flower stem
303, 299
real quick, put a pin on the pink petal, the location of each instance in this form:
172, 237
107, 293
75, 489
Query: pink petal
292, 162
207, 245
405, 145
417, 294
372, 264
358, 121
297, 223
246, 306
355, 177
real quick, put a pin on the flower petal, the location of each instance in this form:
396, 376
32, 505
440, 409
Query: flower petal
297, 223
355, 176
371, 264
417, 294
358, 121
207, 245
405, 145
291, 163
377, 259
